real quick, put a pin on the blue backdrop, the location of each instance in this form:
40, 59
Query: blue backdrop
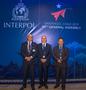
53, 18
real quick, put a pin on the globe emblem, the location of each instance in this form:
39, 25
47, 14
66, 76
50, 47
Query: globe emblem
20, 12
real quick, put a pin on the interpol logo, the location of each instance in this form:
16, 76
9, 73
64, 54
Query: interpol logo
20, 18
20, 12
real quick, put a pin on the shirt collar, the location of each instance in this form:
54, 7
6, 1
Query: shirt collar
29, 42
60, 47
44, 44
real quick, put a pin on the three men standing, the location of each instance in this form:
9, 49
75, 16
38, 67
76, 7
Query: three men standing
29, 51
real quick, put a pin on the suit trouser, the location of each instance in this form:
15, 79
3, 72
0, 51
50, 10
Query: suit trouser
28, 71
43, 74
60, 74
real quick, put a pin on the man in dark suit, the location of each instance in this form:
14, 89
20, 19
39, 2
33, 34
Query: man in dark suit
28, 52
60, 53
44, 52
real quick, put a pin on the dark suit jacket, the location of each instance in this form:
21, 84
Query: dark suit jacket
25, 53
56, 54
47, 52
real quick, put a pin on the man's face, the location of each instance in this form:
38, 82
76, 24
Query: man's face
60, 42
43, 39
30, 37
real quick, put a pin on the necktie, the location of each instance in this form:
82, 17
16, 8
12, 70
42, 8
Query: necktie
29, 47
60, 52
43, 50
43, 46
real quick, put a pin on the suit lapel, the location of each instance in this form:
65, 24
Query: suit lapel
41, 46
26, 46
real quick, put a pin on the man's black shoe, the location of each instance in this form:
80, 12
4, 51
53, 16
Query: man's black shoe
46, 86
22, 88
33, 88
56, 86
40, 86
63, 87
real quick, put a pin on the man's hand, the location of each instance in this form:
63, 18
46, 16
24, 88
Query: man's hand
59, 61
28, 58
43, 60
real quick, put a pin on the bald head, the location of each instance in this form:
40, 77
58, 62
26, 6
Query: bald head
44, 39
29, 37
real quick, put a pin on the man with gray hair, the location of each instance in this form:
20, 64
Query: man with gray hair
28, 52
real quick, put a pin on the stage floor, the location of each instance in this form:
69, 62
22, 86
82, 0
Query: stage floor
74, 86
